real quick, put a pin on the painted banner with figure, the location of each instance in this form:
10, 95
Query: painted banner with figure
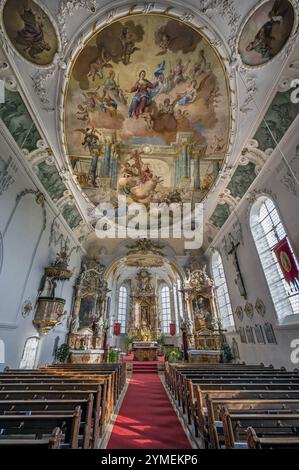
287, 262
117, 328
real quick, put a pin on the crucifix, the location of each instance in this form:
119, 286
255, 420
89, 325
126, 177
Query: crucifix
238, 279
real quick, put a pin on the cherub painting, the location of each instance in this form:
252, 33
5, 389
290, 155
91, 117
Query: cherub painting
30, 30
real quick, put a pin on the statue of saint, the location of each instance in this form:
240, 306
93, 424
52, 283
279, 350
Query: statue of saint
75, 324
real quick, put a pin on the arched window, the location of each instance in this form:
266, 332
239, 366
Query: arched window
267, 230
222, 297
2, 352
29, 353
165, 308
122, 308
180, 298
176, 304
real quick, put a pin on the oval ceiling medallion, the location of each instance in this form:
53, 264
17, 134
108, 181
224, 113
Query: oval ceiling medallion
266, 32
31, 31
147, 112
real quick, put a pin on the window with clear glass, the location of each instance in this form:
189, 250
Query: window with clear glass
222, 296
268, 230
165, 309
29, 353
122, 308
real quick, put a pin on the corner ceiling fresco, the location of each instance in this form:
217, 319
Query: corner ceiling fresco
31, 31
147, 111
266, 32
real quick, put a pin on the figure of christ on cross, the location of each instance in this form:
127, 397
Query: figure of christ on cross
239, 279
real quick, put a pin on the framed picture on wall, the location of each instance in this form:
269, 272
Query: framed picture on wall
242, 334
250, 334
259, 334
269, 333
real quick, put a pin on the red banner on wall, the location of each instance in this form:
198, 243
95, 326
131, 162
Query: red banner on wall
172, 329
117, 327
286, 261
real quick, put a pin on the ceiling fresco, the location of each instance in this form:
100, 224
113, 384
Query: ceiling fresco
266, 32
31, 31
147, 89
18, 121
147, 101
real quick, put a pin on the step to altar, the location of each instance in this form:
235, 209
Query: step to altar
145, 367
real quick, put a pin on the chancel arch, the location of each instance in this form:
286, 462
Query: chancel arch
276, 256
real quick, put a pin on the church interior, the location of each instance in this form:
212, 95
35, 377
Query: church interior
149, 230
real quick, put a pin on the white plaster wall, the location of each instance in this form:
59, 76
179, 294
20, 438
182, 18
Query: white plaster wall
24, 259
272, 180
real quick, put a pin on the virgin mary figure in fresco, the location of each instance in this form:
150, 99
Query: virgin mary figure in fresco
143, 98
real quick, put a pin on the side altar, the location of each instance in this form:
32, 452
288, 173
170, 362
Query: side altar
88, 327
145, 350
206, 341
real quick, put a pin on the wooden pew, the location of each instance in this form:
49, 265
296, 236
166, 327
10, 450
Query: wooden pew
40, 392
266, 425
15, 426
72, 382
60, 382
255, 442
56, 407
198, 404
186, 393
54, 442
188, 385
244, 406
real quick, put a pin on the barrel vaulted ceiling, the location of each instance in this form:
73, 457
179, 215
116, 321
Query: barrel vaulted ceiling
216, 68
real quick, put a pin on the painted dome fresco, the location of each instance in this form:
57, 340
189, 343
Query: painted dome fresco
147, 112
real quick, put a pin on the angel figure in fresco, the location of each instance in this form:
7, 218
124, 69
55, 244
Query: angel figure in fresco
114, 89
92, 142
142, 98
191, 93
179, 71
202, 66
212, 98
91, 138
97, 67
82, 112
219, 144
32, 34
107, 104
127, 40
163, 41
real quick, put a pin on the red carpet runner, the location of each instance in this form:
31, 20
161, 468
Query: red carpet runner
146, 418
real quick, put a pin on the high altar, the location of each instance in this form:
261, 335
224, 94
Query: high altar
205, 344
143, 322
